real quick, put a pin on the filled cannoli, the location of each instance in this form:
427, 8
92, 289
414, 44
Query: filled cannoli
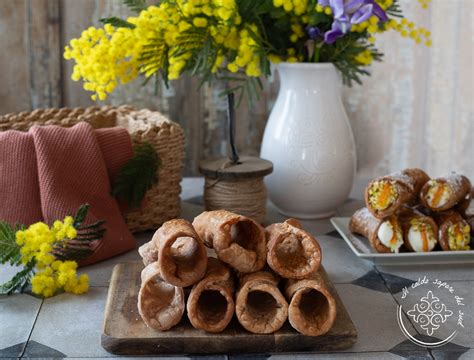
160, 304
312, 308
454, 231
385, 235
179, 251
237, 240
211, 301
259, 305
444, 193
385, 195
292, 252
420, 232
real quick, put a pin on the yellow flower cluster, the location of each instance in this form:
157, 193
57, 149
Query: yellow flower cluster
298, 7
424, 3
364, 57
246, 56
37, 243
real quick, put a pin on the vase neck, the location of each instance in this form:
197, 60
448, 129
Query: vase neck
306, 76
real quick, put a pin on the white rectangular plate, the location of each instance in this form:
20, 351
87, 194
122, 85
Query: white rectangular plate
361, 247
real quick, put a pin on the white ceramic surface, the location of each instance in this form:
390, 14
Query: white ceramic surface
361, 247
309, 140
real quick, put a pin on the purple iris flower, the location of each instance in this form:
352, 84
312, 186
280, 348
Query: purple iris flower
350, 12
314, 33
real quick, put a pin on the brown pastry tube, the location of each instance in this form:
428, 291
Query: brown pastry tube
420, 232
312, 308
384, 235
442, 194
292, 252
454, 231
161, 305
237, 240
179, 251
385, 195
259, 305
211, 301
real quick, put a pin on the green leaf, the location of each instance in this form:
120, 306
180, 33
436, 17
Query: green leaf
19, 281
9, 249
117, 22
136, 5
80, 215
137, 176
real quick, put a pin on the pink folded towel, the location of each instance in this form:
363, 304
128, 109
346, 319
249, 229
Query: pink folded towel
72, 171
19, 188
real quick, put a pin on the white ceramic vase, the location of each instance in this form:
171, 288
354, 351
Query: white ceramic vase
309, 140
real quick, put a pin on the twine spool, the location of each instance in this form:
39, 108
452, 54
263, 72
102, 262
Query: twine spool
237, 187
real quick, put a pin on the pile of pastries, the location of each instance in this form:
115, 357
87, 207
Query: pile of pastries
408, 211
262, 275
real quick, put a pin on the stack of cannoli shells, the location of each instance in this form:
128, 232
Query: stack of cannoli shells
264, 276
413, 206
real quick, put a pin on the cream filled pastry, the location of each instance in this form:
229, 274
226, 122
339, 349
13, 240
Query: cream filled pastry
387, 194
454, 231
390, 235
385, 235
444, 193
421, 236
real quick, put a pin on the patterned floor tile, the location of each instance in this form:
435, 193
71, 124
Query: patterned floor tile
340, 262
7, 272
395, 283
37, 350
372, 280
17, 316
465, 291
409, 350
190, 211
444, 272
340, 356
453, 355
72, 324
374, 315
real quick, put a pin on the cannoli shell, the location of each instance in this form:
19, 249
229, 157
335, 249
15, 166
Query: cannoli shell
460, 192
246, 251
160, 304
444, 221
406, 215
364, 223
218, 278
408, 182
182, 261
308, 315
148, 252
262, 317
292, 252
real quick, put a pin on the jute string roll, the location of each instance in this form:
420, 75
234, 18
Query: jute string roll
245, 197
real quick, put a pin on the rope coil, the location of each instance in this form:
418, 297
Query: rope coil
245, 197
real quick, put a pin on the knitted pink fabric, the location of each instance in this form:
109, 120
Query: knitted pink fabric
19, 188
72, 171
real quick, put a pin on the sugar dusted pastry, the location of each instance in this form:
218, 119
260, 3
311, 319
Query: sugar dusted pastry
259, 305
211, 301
454, 231
160, 304
312, 308
385, 195
420, 232
237, 240
292, 252
444, 193
179, 251
385, 235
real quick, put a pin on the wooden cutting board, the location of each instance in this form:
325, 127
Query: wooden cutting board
125, 333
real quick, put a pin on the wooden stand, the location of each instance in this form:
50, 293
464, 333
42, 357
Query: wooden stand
236, 187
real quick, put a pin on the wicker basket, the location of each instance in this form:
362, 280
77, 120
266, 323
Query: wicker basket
162, 202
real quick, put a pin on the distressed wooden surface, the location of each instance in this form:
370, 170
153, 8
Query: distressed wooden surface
125, 333
415, 110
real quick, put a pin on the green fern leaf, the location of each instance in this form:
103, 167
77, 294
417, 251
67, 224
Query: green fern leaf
137, 176
117, 22
19, 281
9, 249
136, 5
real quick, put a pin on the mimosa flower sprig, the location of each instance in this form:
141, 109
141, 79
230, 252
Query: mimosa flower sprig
48, 254
235, 40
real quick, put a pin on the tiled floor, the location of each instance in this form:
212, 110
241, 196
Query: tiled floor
70, 326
